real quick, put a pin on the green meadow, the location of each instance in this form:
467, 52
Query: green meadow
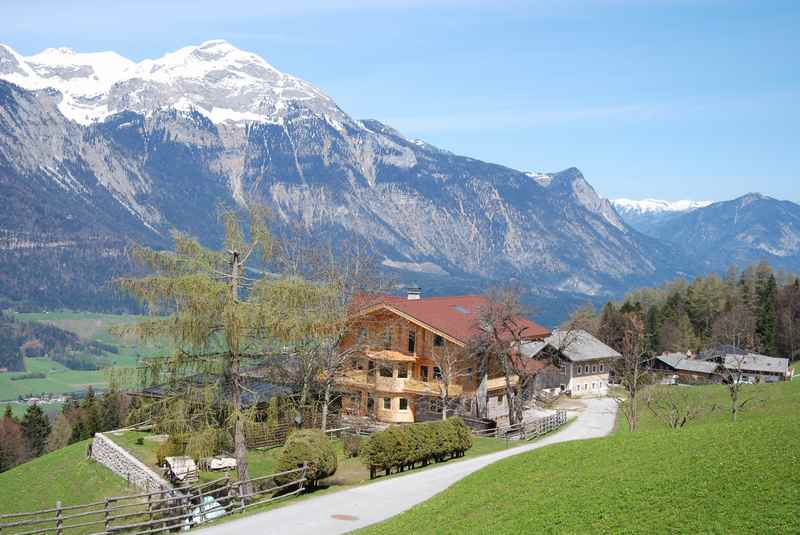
58, 379
713, 476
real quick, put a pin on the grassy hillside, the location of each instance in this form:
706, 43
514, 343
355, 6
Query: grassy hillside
712, 477
763, 400
65, 475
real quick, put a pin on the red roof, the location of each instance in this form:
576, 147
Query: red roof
455, 316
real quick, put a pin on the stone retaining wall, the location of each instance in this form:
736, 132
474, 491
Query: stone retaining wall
106, 452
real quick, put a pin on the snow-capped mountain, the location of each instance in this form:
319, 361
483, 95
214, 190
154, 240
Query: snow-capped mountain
96, 150
646, 214
651, 206
741, 232
215, 78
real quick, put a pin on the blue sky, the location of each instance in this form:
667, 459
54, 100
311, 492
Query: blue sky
649, 98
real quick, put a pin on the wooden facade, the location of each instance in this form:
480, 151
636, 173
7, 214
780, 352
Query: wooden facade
392, 367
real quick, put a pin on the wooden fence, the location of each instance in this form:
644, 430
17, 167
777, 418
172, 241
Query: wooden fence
157, 512
529, 429
264, 435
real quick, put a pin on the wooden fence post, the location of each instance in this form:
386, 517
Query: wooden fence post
303, 476
105, 516
59, 520
150, 507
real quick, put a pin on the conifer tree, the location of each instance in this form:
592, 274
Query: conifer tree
767, 319
90, 415
36, 429
221, 313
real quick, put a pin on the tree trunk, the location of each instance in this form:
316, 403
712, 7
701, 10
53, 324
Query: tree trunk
239, 444
444, 403
509, 392
325, 404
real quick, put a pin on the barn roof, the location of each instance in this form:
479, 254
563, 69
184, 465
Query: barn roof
679, 362
577, 346
753, 362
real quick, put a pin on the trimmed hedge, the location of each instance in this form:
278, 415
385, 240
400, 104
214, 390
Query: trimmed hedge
402, 447
309, 446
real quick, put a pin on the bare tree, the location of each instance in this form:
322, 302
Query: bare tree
675, 407
631, 369
501, 330
730, 370
343, 275
452, 366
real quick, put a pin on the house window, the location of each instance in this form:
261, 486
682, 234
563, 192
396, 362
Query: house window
602, 368
402, 371
387, 338
370, 366
387, 404
594, 385
386, 371
423, 371
437, 373
500, 399
403, 404
594, 369
412, 341
579, 370
438, 341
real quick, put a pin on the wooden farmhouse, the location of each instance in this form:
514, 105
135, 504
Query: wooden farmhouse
583, 362
393, 371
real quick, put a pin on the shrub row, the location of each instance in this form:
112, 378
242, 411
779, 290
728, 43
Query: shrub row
401, 447
307, 446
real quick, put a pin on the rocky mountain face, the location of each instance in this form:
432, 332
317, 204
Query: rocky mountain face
96, 151
740, 232
647, 214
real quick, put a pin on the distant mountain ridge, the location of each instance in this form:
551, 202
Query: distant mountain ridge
96, 150
645, 214
742, 231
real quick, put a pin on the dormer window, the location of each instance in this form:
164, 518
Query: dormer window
438, 341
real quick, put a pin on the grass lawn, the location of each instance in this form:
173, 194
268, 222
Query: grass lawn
65, 475
765, 400
711, 477
350, 471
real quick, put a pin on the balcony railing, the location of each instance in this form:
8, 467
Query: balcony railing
361, 378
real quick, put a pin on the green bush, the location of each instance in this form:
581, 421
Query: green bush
352, 445
401, 447
307, 446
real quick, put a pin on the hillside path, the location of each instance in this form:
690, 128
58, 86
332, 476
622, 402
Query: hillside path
376, 502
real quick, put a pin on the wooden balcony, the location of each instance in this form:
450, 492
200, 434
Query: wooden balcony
362, 379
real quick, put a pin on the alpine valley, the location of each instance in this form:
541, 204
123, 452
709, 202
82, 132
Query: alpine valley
97, 151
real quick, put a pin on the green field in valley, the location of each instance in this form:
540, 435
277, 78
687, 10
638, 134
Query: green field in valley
713, 476
59, 380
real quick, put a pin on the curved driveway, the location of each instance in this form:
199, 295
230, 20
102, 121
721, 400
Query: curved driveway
346, 510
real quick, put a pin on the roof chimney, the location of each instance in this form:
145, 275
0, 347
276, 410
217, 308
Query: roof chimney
414, 293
